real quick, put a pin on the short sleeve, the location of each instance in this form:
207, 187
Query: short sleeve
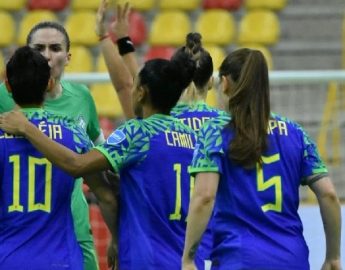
82, 142
127, 145
208, 150
312, 162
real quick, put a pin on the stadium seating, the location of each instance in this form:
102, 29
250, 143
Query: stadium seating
217, 54
30, 19
142, 5
12, 5
216, 27
159, 52
269, 4
137, 31
84, 4
259, 27
2, 65
54, 5
106, 100
267, 54
81, 60
179, 4
8, 25
223, 4
169, 28
81, 28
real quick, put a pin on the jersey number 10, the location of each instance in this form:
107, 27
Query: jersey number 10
33, 162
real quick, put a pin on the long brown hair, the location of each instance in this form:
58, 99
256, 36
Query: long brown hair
249, 105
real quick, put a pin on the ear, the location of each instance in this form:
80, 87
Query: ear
226, 85
8, 86
68, 58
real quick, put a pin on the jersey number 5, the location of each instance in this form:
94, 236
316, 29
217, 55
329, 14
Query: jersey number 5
274, 181
33, 162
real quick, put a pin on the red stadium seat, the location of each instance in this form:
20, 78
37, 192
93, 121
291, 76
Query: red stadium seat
54, 5
137, 31
223, 4
159, 52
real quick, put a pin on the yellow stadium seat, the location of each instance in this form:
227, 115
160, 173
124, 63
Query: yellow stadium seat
100, 64
267, 54
259, 27
143, 5
2, 66
169, 28
107, 102
217, 55
12, 5
81, 60
179, 4
216, 26
8, 25
29, 20
80, 26
269, 4
85, 4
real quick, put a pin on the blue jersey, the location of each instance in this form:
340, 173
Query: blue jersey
195, 115
256, 224
36, 227
152, 156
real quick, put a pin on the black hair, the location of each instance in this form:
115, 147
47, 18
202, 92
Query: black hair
49, 24
28, 75
166, 80
204, 64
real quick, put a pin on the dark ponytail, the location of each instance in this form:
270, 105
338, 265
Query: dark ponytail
166, 80
203, 60
249, 105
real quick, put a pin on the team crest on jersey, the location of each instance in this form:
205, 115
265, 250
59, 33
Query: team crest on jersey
116, 137
81, 122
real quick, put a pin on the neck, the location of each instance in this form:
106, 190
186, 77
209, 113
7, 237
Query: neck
191, 95
56, 91
148, 111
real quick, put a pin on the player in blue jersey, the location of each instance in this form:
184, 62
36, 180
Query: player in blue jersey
151, 155
249, 168
36, 226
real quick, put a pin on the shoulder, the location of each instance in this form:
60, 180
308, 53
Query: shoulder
288, 122
76, 88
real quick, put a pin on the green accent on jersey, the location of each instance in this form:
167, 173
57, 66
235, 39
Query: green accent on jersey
136, 142
75, 102
209, 135
198, 106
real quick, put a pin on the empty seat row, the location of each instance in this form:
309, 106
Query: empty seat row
168, 28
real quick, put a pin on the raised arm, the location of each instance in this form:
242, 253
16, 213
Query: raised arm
15, 122
331, 217
118, 72
199, 213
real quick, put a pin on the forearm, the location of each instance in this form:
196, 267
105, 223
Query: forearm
119, 75
331, 217
198, 217
131, 63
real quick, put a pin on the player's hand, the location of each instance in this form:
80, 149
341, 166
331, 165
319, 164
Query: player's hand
112, 256
13, 122
331, 265
121, 25
100, 19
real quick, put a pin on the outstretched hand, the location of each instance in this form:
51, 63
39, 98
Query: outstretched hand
121, 25
100, 19
13, 122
